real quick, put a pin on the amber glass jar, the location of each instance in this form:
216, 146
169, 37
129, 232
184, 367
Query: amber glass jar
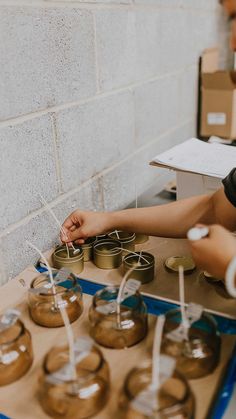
80, 397
16, 355
174, 397
198, 356
113, 331
43, 306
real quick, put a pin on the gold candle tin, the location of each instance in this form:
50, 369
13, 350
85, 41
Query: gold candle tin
107, 254
199, 355
127, 240
16, 354
145, 269
174, 397
114, 331
141, 238
87, 248
74, 263
78, 398
42, 302
172, 264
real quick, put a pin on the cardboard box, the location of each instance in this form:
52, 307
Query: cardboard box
218, 98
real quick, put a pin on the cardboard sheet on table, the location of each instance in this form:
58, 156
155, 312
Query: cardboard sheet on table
165, 285
19, 401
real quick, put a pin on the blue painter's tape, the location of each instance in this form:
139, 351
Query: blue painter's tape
3, 416
225, 391
156, 306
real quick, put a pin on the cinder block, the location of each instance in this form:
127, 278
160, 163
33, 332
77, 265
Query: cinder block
46, 58
93, 136
156, 108
42, 230
116, 47
27, 168
119, 185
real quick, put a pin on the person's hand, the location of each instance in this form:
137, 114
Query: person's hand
83, 224
214, 252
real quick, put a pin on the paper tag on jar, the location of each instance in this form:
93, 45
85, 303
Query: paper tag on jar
64, 374
9, 357
107, 308
193, 314
62, 275
62, 304
9, 318
130, 288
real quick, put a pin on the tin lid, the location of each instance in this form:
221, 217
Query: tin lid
172, 264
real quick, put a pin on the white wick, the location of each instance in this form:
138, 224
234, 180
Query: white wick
134, 253
117, 235
185, 321
120, 292
156, 351
70, 337
48, 268
43, 200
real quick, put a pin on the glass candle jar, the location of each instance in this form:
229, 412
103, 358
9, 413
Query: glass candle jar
144, 264
127, 240
43, 303
80, 397
62, 257
174, 397
87, 248
16, 354
198, 356
107, 254
117, 331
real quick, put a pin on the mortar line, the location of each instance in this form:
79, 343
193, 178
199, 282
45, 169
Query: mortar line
104, 6
98, 177
57, 108
56, 152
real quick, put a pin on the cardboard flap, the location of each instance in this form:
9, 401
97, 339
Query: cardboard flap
220, 80
210, 60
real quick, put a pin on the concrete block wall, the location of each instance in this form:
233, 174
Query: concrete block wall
90, 92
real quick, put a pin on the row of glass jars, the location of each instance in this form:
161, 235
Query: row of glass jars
195, 357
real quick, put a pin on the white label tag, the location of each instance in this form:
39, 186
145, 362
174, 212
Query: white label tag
107, 308
82, 347
9, 357
193, 313
216, 118
62, 275
9, 318
131, 287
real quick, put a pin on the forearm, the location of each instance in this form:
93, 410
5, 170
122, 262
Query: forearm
170, 220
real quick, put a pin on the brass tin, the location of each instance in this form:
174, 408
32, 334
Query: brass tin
75, 263
107, 254
141, 238
102, 237
127, 240
16, 353
42, 303
217, 283
143, 273
87, 248
172, 264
